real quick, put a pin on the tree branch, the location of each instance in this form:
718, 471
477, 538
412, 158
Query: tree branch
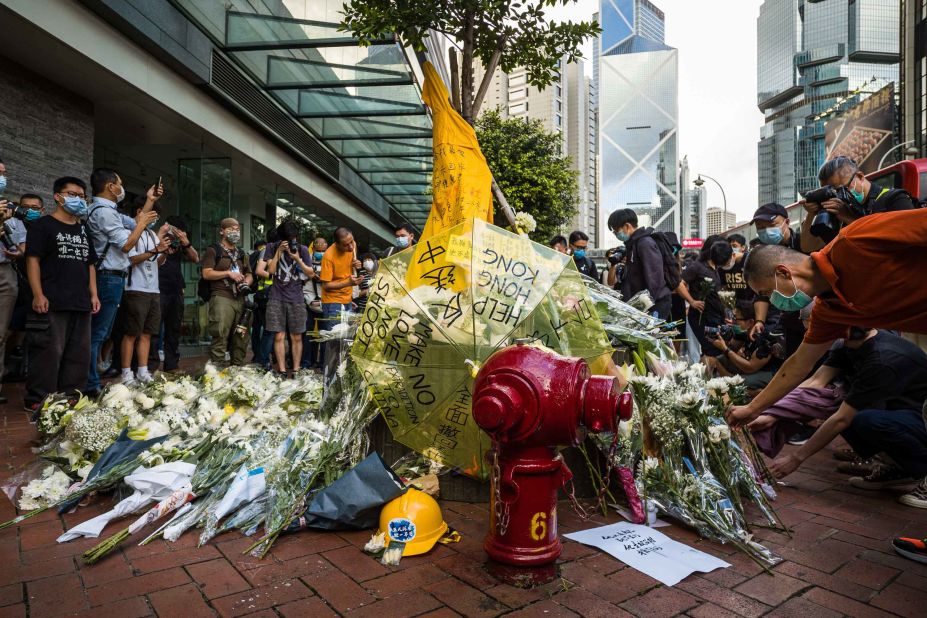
466, 86
487, 78
455, 80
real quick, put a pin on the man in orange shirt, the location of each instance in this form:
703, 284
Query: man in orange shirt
338, 277
870, 276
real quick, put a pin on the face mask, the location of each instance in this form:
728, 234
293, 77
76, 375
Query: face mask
32, 215
622, 236
76, 206
318, 255
737, 250
121, 195
402, 241
368, 264
2, 183
857, 195
579, 253
233, 237
796, 302
738, 330
729, 265
770, 235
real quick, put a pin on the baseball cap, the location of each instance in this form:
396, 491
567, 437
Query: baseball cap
768, 212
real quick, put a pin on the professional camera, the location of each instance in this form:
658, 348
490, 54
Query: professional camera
293, 245
244, 322
765, 344
616, 256
723, 331
173, 237
241, 289
825, 225
17, 210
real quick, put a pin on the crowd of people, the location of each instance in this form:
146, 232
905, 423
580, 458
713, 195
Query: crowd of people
92, 287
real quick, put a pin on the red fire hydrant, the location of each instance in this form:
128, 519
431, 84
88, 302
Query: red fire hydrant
530, 401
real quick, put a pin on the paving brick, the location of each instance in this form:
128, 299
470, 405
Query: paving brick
409, 603
312, 606
57, 550
728, 599
217, 578
842, 604
13, 611
573, 551
771, 589
544, 608
799, 607
902, 600
710, 610
267, 571
513, 596
257, 599
186, 601
662, 601
725, 577
339, 590
137, 586
305, 543
408, 579
176, 558
585, 603
834, 583
39, 534
470, 571
136, 607
356, 564
913, 581
444, 612
866, 573
603, 564
465, 599
112, 568
891, 559
56, 595
614, 588
11, 594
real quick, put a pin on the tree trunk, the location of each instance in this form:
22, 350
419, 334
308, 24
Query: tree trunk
466, 86
487, 80
455, 81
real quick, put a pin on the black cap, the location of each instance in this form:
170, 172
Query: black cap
768, 212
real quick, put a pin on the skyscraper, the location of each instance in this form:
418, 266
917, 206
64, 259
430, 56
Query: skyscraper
814, 60
693, 205
637, 89
719, 221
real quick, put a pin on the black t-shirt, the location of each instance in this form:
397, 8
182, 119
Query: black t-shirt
587, 267
734, 281
884, 199
886, 372
704, 283
65, 255
170, 276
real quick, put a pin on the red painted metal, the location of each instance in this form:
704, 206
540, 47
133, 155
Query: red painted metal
530, 401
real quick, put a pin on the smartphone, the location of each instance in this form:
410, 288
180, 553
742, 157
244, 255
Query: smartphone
160, 186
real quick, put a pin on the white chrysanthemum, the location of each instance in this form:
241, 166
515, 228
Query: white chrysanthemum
688, 400
735, 380
525, 222
117, 393
719, 433
717, 387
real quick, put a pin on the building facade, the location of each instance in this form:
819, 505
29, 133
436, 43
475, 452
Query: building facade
914, 74
815, 59
637, 91
694, 204
236, 109
719, 220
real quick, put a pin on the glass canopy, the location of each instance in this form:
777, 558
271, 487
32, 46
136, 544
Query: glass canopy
363, 103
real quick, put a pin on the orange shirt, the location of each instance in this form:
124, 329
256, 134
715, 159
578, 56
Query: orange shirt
336, 266
877, 269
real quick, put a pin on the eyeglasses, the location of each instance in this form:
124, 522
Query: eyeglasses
73, 194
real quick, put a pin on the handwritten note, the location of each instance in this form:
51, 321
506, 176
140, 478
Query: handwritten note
649, 551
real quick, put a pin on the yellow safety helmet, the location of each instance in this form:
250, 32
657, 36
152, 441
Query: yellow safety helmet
414, 518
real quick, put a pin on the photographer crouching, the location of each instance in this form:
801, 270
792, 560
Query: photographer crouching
844, 196
757, 359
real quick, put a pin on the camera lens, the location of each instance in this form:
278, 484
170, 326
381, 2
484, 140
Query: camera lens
825, 226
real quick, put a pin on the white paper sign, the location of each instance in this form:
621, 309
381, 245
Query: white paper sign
649, 551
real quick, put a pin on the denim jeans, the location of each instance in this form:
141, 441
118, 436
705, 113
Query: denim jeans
109, 290
331, 314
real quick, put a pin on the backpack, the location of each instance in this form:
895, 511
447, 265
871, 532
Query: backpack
204, 285
672, 275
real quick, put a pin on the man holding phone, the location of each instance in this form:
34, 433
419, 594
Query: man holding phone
112, 242
338, 277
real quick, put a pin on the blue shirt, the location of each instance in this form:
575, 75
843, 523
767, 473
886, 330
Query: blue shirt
108, 227
16, 230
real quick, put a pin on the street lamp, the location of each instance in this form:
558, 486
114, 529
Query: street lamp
893, 148
698, 182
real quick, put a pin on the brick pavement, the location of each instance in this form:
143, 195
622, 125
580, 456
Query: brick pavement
838, 562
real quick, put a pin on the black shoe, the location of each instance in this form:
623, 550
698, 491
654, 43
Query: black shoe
801, 436
112, 372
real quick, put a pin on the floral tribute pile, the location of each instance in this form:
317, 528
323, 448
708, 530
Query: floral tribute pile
685, 460
233, 449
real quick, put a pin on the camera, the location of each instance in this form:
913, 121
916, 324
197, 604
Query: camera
722, 331
293, 245
616, 256
764, 345
825, 225
247, 316
241, 289
17, 210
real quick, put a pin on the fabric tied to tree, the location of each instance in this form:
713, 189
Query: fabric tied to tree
461, 182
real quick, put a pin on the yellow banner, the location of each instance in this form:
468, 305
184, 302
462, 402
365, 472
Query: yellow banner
461, 183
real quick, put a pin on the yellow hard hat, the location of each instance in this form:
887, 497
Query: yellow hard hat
414, 518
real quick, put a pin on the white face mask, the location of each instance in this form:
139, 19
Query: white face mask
368, 264
121, 195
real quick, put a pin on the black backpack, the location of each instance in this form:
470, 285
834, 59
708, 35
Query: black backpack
672, 275
204, 285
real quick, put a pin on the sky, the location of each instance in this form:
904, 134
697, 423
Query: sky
719, 122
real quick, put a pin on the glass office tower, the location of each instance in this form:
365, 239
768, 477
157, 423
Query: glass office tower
638, 116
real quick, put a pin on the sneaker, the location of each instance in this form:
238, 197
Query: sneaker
913, 549
917, 497
34, 409
882, 477
858, 467
801, 436
129, 381
845, 454
145, 378
161, 355
103, 366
